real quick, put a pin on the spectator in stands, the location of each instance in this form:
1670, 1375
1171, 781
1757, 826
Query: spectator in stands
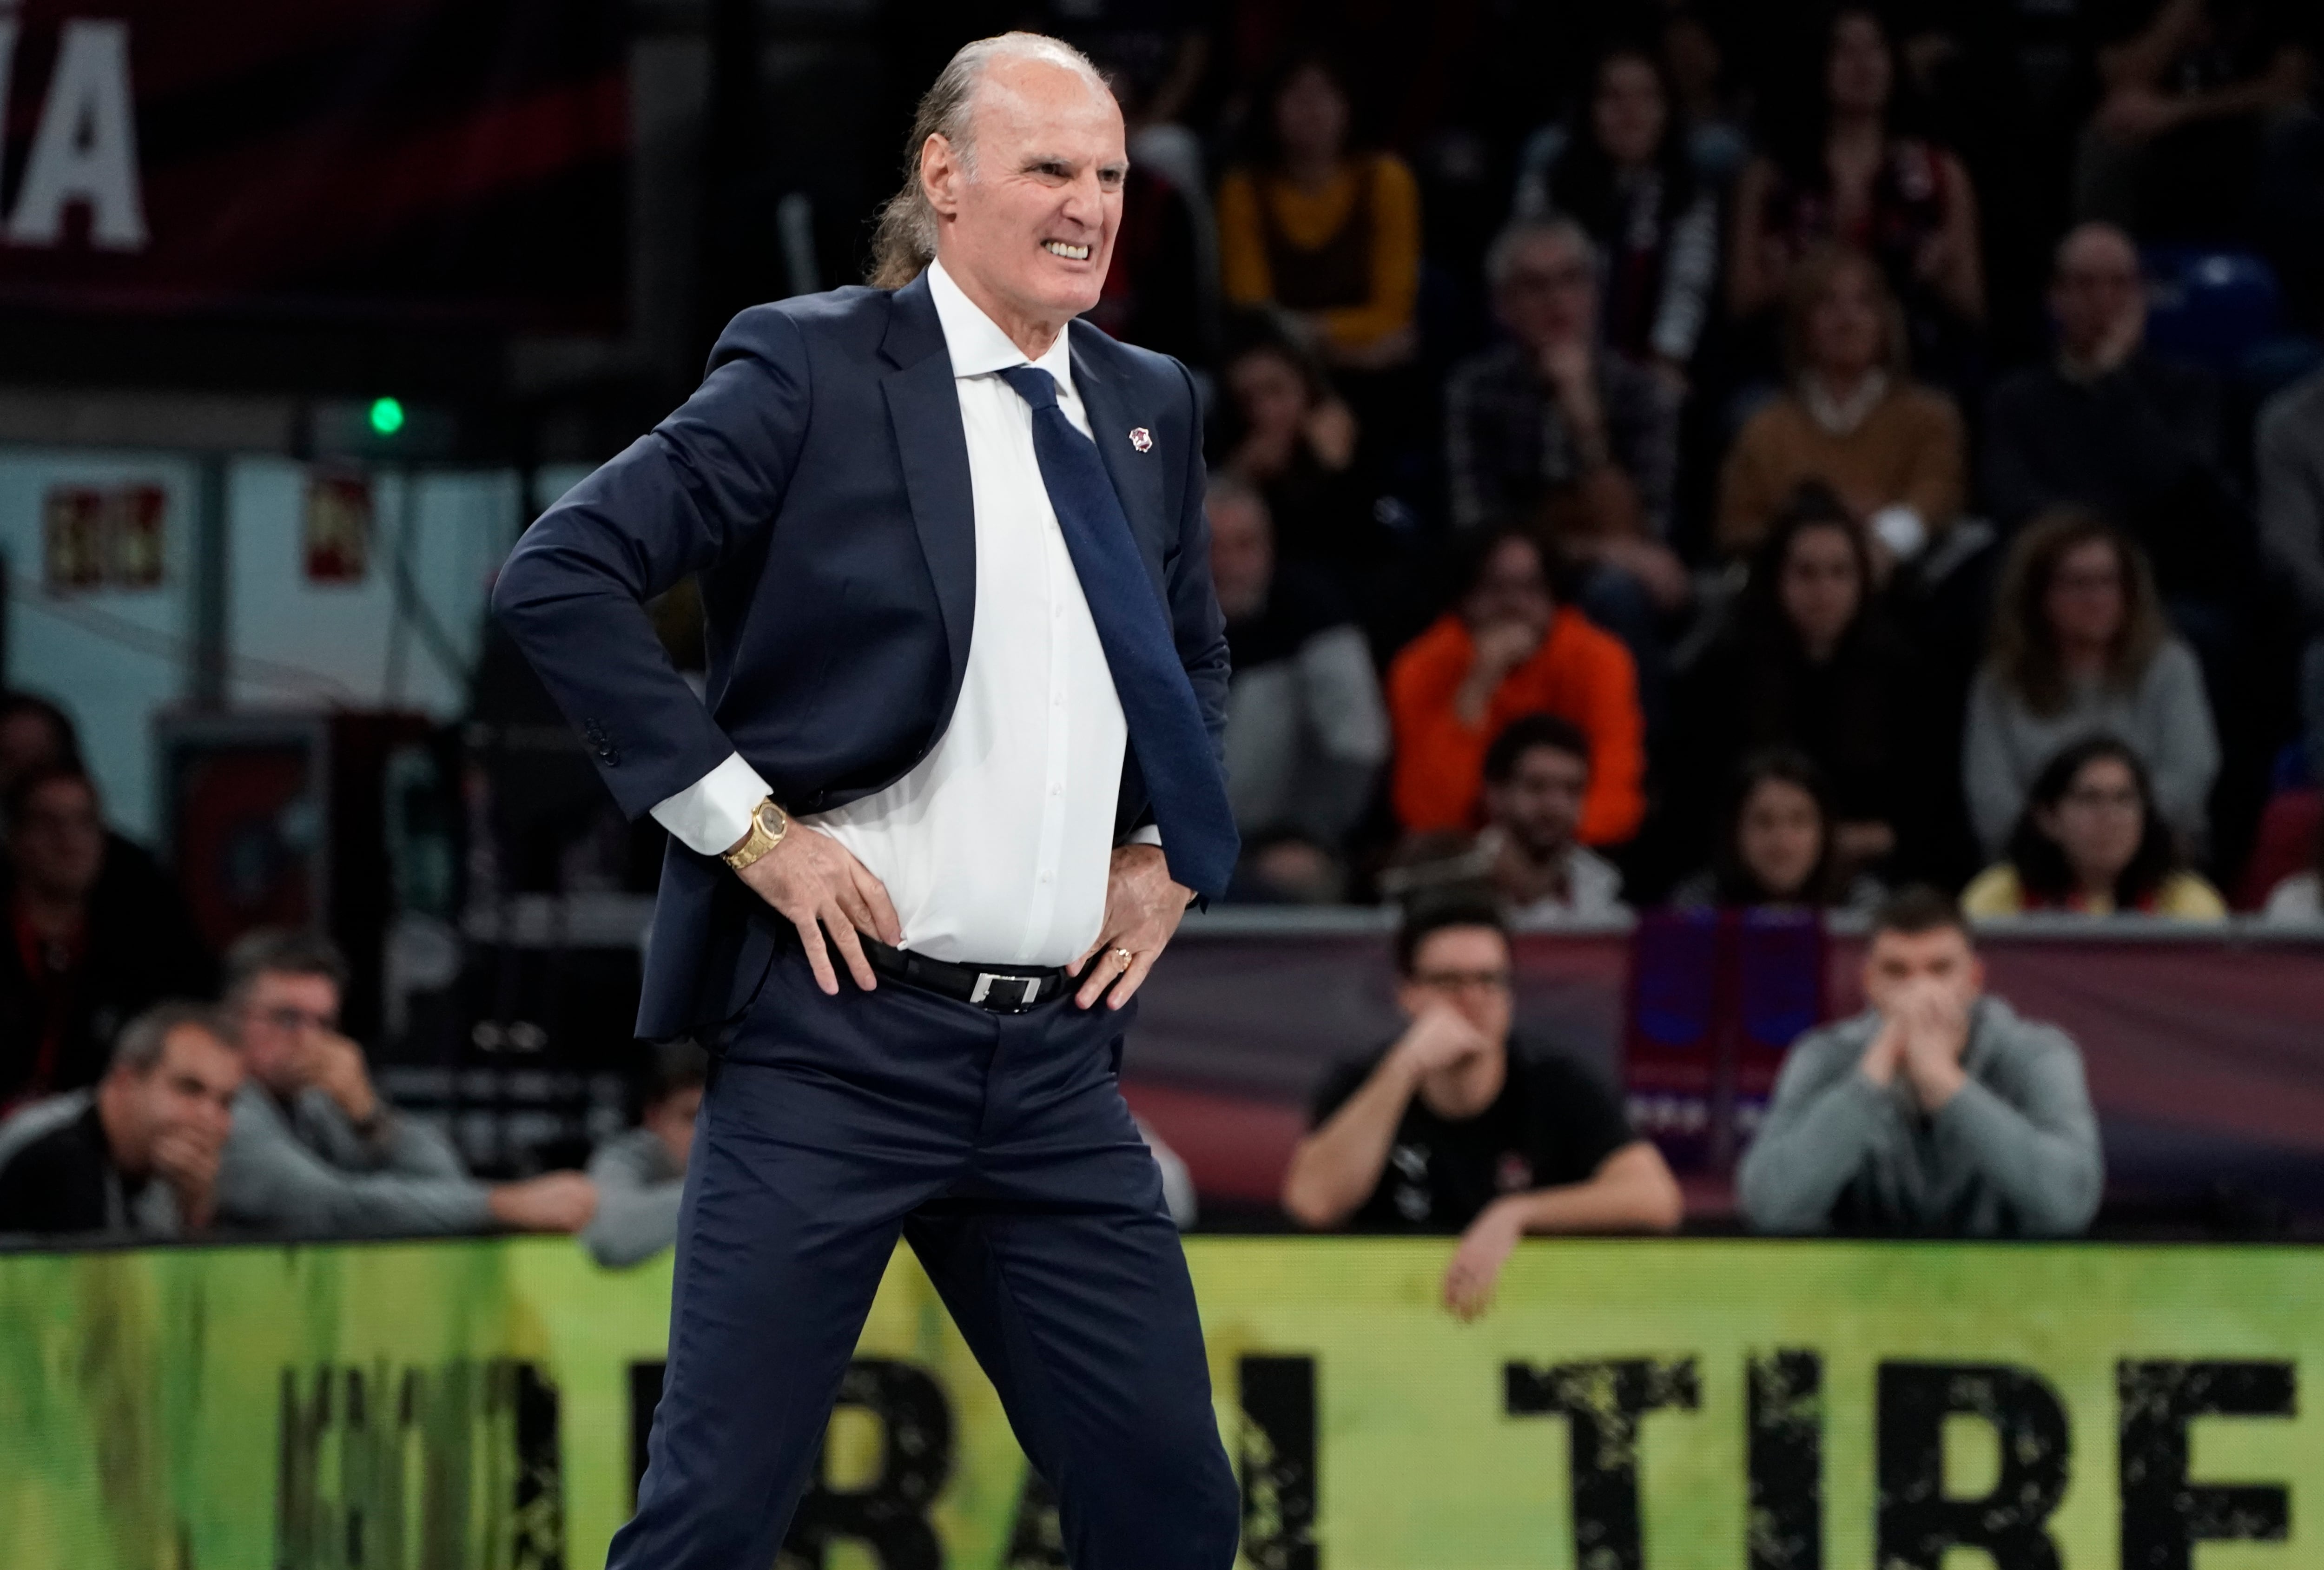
1285, 432
1696, 71
1306, 733
1851, 420
641, 1174
1778, 844
1320, 230
96, 934
2090, 843
2292, 522
1554, 431
316, 1150
2080, 648
1842, 173
1509, 649
2110, 426
1536, 775
1939, 1111
137, 1156
1454, 1127
1626, 172
2194, 95
1810, 659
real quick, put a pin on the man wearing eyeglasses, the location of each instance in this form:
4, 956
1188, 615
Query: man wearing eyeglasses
317, 1151
1448, 1128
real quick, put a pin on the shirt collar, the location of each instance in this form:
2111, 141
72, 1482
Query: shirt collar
975, 342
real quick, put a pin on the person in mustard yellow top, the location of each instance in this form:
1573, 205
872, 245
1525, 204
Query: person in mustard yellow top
1327, 234
2091, 843
1852, 418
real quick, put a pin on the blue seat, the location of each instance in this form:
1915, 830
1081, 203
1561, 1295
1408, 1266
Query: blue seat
2211, 306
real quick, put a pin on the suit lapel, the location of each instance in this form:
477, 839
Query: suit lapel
923, 408
1136, 475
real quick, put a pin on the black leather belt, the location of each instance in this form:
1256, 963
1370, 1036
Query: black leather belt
1004, 989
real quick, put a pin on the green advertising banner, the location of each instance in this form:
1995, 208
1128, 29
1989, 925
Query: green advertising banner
1625, 1405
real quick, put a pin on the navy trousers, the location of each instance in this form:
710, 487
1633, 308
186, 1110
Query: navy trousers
997, 1145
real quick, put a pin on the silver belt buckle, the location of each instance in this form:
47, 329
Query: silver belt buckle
985, 984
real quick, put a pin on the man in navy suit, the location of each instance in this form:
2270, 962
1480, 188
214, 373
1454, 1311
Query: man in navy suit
953, 782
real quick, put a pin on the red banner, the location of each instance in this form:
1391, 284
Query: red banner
314, 158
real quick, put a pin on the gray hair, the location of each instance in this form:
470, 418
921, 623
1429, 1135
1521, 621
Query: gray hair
282, 951
1501, 255
905, 240
138, 1049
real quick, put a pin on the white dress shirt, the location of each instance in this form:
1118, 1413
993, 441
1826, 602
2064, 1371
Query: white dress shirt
995, 848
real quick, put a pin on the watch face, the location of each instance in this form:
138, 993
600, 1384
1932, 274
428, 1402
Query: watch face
770, 817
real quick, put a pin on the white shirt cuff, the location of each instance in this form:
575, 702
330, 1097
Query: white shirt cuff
709, 815
1150, 835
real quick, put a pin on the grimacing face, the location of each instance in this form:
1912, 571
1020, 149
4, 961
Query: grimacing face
1027, 219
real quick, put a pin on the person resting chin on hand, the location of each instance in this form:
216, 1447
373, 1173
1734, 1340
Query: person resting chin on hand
1449, 1129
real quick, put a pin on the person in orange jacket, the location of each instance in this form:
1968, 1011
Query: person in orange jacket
1509, 649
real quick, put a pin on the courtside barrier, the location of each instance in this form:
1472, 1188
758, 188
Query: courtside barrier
1625, 1405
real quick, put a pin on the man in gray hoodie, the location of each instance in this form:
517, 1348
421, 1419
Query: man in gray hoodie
1938, 1111
641, 1174
317, 1151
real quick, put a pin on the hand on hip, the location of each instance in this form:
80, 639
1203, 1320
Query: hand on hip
1143, 908
820, 888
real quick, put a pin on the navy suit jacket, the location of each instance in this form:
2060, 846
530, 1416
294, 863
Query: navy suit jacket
817, 481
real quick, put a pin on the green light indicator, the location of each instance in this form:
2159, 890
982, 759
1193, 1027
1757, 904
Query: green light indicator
386, 416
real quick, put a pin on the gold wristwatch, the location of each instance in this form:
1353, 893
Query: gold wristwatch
768, 824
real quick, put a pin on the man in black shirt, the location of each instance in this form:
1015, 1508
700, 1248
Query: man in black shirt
138, 1153
1447, 1129
2108, 424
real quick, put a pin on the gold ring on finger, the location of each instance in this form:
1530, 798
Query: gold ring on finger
1124, 956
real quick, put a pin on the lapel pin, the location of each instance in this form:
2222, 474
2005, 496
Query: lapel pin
1139, 439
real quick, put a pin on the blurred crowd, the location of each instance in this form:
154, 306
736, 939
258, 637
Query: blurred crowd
1848, 536
1767, 476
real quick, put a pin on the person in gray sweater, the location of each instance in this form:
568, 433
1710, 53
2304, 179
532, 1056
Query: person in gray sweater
1306, 731
316, 1151
1939, 1112
641, 1174
2080, 648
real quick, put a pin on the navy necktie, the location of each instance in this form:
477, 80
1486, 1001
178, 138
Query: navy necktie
1182, 775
